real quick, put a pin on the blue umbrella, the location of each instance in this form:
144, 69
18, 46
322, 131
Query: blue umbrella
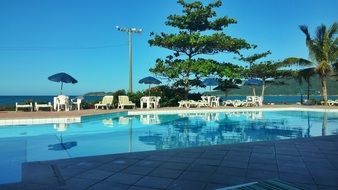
253, 83
63, 78
149, 80
210, 82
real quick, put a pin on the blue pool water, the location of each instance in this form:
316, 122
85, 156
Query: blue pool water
120, 133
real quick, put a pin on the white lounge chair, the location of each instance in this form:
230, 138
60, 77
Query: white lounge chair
24, 106
184, 103
234, 103
227, 103
107, 101
48, 105
202, 103
335, 102
330, 102
124, 101
193, 103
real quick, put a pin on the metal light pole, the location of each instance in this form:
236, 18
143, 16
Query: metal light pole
130, 31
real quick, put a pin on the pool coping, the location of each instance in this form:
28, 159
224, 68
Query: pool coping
216, 110
36, 121
75, 117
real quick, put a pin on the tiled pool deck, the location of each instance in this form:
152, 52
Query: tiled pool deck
311, 163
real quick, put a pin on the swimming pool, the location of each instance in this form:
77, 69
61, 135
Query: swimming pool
121, 133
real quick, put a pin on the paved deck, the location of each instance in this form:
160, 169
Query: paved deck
311, 163
53, 114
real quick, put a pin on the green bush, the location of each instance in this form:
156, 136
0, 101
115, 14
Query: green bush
170, 95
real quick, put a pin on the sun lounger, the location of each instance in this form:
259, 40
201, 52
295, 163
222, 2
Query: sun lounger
107, 102
184, 103
228, 103
202, 103
192, 103
234, 103
330, 102
24, 106
38, 106
124, 101
335, 102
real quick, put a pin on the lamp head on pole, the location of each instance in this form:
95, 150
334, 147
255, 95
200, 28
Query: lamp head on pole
130, 30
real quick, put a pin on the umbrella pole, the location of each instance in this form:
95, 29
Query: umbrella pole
61, 87
149, 90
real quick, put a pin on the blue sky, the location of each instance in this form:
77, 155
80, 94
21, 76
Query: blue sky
39, 38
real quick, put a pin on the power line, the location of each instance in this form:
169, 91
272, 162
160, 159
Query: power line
52, 48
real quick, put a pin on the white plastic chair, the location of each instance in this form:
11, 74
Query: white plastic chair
215, 102
77, 102
62, 102
155, 102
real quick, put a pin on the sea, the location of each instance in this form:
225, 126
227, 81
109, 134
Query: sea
11, 100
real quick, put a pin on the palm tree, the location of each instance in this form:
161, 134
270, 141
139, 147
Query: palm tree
305, 74
323, 52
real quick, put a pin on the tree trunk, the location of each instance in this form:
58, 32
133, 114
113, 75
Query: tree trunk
308, 91
263, 90
324, 90
254, 91
186, 87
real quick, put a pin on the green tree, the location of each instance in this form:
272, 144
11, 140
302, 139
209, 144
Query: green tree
199, 34
322, 51
227, 85
305, 75
268, 70
251, 60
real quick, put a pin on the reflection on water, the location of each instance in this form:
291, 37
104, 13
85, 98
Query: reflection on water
149, 119
108, 122
324, 126
62, 145
200, 129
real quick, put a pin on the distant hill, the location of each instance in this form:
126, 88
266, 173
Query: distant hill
95, 94
292, 87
